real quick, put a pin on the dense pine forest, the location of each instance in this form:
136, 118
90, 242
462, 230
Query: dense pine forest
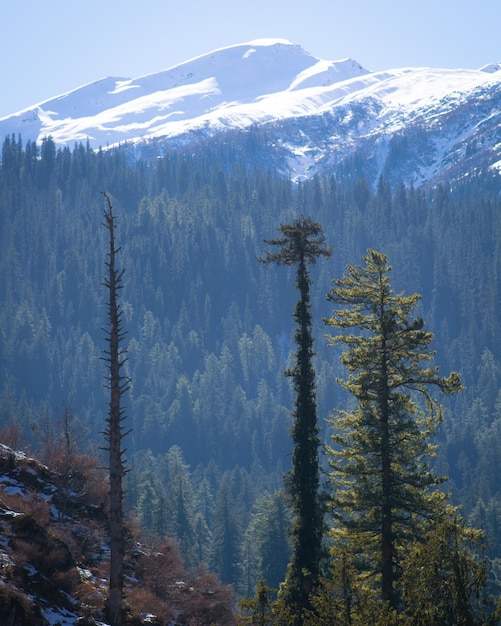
210, 330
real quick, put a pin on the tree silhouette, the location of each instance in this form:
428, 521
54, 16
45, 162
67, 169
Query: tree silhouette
114, 433
302, 243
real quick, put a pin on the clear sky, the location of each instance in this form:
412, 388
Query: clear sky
49, 47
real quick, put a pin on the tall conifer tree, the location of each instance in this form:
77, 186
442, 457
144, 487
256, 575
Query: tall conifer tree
226, 537
383, 485
302, 243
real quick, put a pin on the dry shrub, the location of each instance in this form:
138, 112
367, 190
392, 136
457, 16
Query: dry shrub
68, 581
82, 541
207, 601
15, 607
30, 504
161, 570
12, 501
197, 599
85, 541
38, 508
10, 435
142, 601
80, 474
91, 596
34, 546
65, 533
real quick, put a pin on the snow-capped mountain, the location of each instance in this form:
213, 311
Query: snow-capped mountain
414, 124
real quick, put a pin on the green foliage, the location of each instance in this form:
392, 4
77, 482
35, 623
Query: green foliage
258, 611
302, 243
198, 309
266, 544
380, 475
444, 580
225, 548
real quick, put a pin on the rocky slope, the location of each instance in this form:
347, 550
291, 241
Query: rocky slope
54, 554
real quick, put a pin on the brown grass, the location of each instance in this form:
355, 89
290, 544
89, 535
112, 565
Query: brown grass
30, 504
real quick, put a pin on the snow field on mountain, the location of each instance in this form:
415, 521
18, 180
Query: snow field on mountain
271, 81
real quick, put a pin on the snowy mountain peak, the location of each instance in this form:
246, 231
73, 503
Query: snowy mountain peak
224, 87
491, 68
320, 113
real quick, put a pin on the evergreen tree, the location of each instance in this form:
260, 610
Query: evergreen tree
147, 503
383, 487
258, 611
226, 536
302, 243
267, 546
181, 499
118, 384
444, 579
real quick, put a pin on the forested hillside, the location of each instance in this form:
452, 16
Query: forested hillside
210, 330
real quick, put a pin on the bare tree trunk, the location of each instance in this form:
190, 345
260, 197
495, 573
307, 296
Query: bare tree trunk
114, 433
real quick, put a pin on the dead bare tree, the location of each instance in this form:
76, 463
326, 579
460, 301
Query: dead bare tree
115, 432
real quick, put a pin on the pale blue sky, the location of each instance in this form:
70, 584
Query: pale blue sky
52, 46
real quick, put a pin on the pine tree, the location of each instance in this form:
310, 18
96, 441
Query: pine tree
118, 384
383, 487
267, 546
226, 536
444, 579
302, 243
258, 610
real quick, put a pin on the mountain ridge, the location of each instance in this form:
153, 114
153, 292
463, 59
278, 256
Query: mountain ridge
275, 83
